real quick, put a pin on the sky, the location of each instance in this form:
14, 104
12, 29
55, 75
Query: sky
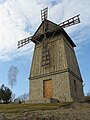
21, 18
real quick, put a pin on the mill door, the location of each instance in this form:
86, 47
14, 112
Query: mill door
47, 89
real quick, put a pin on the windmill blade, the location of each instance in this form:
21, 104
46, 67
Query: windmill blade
44, 14
72, 21
24, 42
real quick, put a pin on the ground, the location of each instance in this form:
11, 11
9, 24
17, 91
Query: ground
60, 111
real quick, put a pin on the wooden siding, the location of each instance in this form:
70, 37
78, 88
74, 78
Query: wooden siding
57, 58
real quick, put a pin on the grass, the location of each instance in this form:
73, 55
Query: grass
29, 107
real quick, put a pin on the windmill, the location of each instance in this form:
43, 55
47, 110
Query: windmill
54, 64
45, 50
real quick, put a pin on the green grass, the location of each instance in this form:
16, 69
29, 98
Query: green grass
29, 107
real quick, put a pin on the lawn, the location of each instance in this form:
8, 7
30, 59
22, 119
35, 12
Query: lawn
12, 107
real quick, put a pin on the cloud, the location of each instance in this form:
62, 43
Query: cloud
2, 1
20, 18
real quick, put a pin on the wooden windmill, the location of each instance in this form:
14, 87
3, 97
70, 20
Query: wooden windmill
72, 21
54, 64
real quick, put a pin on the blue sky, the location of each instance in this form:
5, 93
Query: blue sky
20, 19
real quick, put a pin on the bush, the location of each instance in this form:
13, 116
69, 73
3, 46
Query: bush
5, 94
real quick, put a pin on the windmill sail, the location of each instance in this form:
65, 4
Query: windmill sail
24, 42
72, 21
44, 13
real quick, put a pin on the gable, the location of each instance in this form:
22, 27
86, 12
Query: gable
50, 25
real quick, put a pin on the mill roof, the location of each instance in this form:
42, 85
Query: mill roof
51, 28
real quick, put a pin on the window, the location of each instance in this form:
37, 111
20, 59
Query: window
75, 85
45, 55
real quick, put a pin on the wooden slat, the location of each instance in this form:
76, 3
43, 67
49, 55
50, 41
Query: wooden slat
72, 21
47, 89
45, 54
44, 14
24, 42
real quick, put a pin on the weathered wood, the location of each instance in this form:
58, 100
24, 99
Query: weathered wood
72, 21
62, 70
47, 89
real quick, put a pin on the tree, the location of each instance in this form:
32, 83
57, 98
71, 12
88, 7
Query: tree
88, 94
25, 96
12, 75
12, 97
5, 94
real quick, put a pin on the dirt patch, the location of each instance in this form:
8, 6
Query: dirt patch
74, 111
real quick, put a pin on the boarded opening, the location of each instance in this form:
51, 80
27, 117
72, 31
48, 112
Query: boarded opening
47, 89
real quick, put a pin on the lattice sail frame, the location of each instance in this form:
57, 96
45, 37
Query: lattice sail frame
45, 49
72, 21
44, 14
24, 42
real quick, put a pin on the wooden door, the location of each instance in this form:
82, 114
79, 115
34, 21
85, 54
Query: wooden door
47, 89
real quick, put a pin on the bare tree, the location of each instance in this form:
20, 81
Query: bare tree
88, 94
25, 96
12, 75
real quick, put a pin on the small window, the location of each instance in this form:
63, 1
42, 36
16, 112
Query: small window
75, 85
